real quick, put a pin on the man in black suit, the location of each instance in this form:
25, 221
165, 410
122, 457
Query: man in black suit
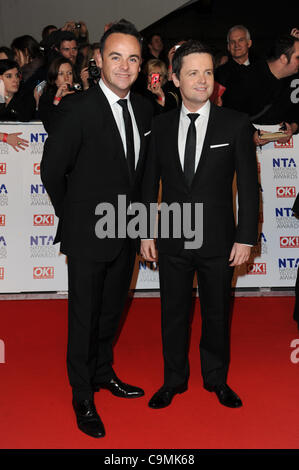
94, 153
195, 151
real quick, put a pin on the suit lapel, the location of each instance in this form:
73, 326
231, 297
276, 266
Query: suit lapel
173, 137
138, 114
206, 144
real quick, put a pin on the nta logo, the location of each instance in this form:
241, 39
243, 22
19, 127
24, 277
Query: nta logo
38, 137
284, 163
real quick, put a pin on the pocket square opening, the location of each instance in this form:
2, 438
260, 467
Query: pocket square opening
219, 145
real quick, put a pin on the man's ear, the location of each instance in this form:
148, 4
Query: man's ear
284, 60
249, 43
100, 61
175, 80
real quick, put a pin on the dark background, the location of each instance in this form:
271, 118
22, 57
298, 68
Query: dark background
209, 21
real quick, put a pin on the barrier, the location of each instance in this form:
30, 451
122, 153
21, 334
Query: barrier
29, 262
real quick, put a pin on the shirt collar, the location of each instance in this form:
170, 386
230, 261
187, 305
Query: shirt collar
110, 95
203, 111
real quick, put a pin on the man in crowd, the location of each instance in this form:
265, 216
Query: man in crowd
63, 43
155, 48
67, 46
95, 153
238, 45
266, 91
195, 151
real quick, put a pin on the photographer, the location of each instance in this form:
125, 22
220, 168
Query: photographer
79, 29
60, 83
90, 72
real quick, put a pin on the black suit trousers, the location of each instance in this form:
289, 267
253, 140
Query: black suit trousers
176, 283
97, 296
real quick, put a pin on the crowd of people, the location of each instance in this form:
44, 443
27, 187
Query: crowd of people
36, 76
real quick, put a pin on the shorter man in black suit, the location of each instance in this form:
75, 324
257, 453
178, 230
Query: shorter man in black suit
195, 151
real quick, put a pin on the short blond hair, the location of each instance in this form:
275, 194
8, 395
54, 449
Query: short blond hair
150, 64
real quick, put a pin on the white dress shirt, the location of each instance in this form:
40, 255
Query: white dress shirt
118, 116
201, 124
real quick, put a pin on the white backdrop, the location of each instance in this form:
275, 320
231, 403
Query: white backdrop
29, 262
18, 17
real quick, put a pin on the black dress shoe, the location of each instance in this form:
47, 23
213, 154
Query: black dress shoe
88, 419
226, 395
163, 397
119, 388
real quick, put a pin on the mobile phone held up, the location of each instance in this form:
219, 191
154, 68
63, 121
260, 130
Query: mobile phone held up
155, 78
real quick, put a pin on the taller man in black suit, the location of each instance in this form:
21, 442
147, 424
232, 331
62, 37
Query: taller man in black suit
96, 152
196, 151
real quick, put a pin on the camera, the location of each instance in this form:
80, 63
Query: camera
93, 71
78, 25
76, 87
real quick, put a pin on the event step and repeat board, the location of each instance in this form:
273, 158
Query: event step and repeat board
29, 262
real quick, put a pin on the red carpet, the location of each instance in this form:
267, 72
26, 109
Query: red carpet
35, 397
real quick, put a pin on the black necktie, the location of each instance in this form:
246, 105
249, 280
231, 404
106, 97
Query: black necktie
129, 137
189, 161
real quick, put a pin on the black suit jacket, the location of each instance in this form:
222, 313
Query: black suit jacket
84, 164
212, 183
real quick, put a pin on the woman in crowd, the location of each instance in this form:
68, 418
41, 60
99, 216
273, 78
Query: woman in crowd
14, 105
30, 59
60, 82
156, 74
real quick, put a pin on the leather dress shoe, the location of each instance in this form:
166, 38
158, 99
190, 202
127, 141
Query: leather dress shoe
119, 388
88, 419
226, 395
163, 397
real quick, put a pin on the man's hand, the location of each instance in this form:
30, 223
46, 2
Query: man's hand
148, 250
240, 254
83, 30
257, 140
288, 131
84, 75
69, 26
